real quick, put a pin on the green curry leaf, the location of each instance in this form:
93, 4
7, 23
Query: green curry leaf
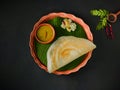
102, 14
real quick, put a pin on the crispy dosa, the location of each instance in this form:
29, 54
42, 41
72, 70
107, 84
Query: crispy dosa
66, 49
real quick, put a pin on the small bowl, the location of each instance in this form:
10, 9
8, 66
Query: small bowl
41, 32
63, 15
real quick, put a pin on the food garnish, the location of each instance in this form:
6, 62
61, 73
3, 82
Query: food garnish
68, 25
102, 14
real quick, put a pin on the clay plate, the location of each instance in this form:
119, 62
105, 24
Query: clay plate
63, 15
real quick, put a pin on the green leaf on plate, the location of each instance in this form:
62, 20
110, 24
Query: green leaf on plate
41, 49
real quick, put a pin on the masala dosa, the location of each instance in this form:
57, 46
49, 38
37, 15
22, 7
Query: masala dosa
66, 49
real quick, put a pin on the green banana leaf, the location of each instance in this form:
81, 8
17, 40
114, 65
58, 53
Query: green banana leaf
41, 49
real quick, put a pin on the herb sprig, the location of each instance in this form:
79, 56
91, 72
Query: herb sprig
102, 14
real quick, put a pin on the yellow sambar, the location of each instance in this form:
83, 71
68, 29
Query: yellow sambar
45, 34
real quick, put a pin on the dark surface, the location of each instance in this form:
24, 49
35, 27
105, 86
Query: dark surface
17, 68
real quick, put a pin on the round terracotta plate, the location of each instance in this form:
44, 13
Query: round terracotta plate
34, 45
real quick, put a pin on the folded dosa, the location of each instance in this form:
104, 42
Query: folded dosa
66, 49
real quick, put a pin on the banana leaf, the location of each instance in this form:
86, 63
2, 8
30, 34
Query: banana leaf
41, 49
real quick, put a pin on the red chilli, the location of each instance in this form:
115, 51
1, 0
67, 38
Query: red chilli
109, 31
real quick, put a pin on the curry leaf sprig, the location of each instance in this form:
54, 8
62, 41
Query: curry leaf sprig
102, 14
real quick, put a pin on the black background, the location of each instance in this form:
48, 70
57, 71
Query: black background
18, 71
